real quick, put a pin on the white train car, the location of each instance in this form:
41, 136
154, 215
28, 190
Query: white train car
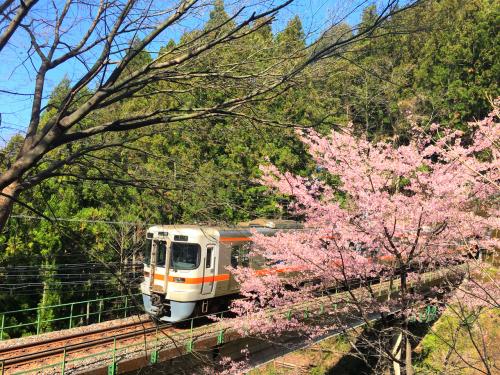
185, 266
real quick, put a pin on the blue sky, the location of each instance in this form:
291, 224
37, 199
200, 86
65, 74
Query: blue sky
17, 74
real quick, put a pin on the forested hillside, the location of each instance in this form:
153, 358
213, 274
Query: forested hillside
437, 62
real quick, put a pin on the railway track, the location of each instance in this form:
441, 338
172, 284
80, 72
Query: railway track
45, 352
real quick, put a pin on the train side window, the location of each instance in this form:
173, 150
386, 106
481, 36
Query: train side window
239, 256
161, 253
257, 261
235, 253
208, 261
244, 256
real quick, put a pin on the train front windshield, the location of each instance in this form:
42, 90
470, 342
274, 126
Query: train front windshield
185, 256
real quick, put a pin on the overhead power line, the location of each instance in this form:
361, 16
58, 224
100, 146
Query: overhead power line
70, 266
29, 217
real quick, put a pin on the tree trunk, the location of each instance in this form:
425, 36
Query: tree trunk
6, 202
408, 359
396, 352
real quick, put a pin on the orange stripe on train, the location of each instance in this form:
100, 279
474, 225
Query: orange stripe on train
159, 277
223, 277
200, 280
234, 239
269, 271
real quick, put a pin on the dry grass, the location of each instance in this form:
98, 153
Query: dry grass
314, 360
462, 342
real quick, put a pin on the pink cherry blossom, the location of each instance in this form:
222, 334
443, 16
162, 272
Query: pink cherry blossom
418, 206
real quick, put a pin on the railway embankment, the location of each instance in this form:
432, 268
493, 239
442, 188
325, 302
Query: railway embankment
119, 349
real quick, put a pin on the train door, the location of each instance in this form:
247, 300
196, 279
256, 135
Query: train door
239, 258
209, 270
159, 265
152, 262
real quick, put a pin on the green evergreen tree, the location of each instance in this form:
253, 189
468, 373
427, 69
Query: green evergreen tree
459, 63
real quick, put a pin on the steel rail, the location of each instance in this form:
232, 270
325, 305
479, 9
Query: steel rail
39, 354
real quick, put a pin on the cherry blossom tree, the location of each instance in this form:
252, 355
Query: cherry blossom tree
390, 210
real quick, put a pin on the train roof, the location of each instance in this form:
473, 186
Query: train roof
243, 226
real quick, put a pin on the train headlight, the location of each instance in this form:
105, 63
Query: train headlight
179, 279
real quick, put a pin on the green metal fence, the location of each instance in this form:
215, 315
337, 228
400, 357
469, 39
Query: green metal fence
67, 315
426, 315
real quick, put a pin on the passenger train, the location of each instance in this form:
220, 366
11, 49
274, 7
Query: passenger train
186, 267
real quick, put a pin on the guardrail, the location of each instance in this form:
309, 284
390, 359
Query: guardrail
69, 315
